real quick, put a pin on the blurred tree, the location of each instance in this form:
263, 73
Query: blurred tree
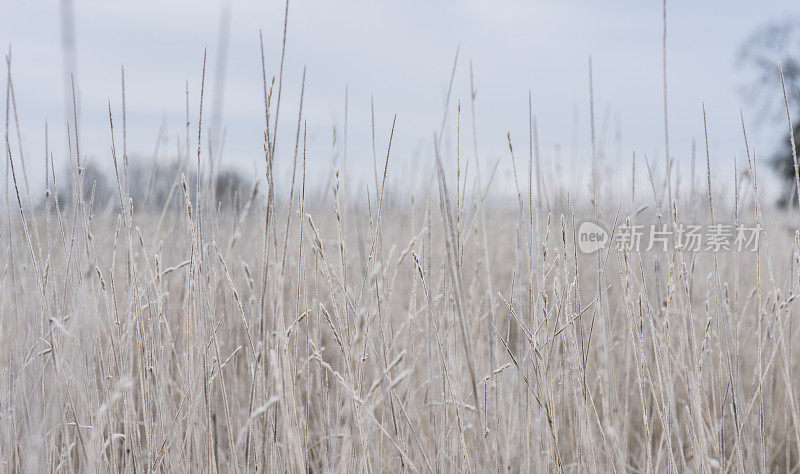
96, 188
760, 55
230, 188
157, 186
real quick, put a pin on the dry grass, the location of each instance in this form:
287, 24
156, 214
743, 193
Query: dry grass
451, 330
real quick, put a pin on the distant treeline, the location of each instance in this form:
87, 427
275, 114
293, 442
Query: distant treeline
151, 186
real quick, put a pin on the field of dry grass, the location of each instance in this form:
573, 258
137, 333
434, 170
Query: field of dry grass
425, 335
453, 328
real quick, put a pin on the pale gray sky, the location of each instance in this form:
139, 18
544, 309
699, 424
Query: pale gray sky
401, 53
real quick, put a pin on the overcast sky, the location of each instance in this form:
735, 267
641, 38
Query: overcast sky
401, 53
